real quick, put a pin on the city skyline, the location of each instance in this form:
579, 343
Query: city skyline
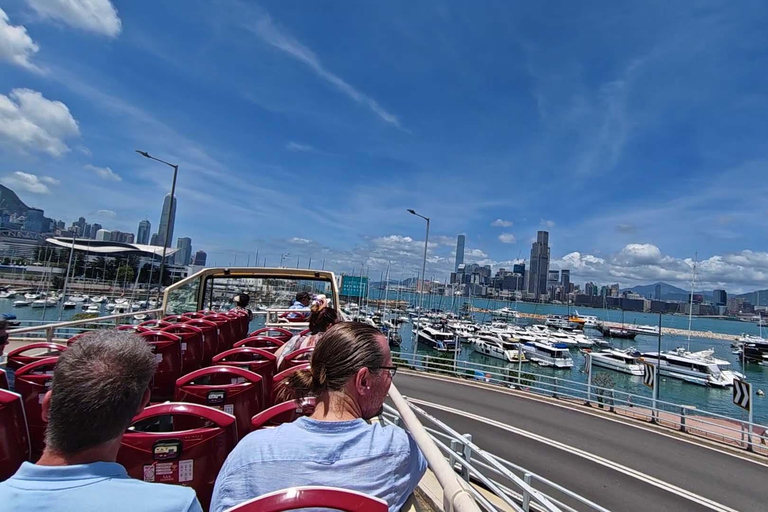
570, 138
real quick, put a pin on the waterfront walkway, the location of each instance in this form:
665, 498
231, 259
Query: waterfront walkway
619, 463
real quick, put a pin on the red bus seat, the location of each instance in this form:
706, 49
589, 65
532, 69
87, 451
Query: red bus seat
3, 380
210, 338
260, 362
192, 345
167, 349
194, 315
234, 390
155, 324
176, 319
227, 333
262, 342
305, 332
240, 322
15, 446
33, 352
273, 332
279, 380
285, 412
127, 327
190, 457
301, 498
296, 358
32, 382
74, 338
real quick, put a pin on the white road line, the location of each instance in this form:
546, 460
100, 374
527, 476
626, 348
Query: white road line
701, 443
701, 500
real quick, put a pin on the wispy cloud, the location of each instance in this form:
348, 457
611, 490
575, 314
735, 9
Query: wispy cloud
507, 238
547, 223
500, 223
29, 182
104, 173
269, 32
301, 148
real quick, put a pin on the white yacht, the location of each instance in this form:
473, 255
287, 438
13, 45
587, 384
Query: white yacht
39, 303
7, 295
442, 341
21, 303
589, 321
625, 361
494, 346
78, 298
506, 312
696, 369
548, 354
557, 321
69, 305
98, 299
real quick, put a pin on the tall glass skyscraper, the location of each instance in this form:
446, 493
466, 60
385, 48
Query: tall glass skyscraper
459, 252
538, 273
142, 235
167, 219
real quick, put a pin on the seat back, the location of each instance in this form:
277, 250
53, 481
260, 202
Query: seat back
176, 319
305, 332
279, 381
194, 315
210, 338
32, 382
154, 325
4, 384
127, 327
15, 446
258, 361
227, 334
167, 349
285, 412
273, 332
301, 498
296, 358
262, 342
74, 338
153, 449
192, 345
240, 321
234, 390
33, 352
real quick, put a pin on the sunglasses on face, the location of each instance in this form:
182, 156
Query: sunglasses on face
391, 369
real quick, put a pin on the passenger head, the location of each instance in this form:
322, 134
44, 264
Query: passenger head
99, 384
242, 300
348, 360
322, 317
304, 297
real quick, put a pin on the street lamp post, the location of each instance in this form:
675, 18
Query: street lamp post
170, 211
282, 257
423, 274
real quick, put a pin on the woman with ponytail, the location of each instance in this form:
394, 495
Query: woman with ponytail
321, 319
350, 374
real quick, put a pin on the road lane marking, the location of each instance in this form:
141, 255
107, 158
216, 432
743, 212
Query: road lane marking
643, 477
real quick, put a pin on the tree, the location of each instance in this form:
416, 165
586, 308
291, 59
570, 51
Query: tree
125, 273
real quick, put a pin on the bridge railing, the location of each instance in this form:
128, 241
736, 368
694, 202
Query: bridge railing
512, 485
682, 417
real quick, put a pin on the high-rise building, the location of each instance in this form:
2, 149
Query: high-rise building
565, 280
459, 252
94, 230
167, 219
33, 220
200, 258
720, 297
591, 289
657, 292
87, 231
103, 235
80, 225
142, 235
184, 253
537, 274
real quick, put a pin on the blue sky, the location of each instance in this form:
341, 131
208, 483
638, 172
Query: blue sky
634, 132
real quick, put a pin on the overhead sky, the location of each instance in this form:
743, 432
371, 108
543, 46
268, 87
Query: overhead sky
634, 132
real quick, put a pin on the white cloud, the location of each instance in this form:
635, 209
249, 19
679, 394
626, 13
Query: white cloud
15, 44
474, 253
499, 223
270, 33
507, 238
104, 173
29, 182
547, 223
29, 121
300, 241
98, 16
106, 214
302, 148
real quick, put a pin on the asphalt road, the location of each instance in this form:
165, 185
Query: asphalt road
711, 474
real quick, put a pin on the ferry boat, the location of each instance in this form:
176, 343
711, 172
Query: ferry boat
624, 361
494, 346
692, 368
548, 354
439, 340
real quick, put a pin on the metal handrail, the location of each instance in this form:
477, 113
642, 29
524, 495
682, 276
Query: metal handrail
49, 329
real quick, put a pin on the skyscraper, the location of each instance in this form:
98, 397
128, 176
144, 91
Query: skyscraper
200, 258
459, 252
103, 235
537, 281
184, 253
94, 230
142, 235
167, 219
565, 279
153, 239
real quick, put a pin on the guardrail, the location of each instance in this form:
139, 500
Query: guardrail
682, 417
513, 485
67, 329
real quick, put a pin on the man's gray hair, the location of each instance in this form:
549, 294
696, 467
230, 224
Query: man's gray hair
97, 388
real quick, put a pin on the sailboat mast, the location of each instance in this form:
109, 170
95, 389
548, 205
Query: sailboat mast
690, 305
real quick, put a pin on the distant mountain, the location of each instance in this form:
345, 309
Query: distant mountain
10, 202
668, 292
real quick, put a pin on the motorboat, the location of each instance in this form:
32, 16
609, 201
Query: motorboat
98, 299
558, 322
78, 298
494, 346
21, 303
650, 330
696, 369
437, 339
7, 294
506, 312
548, 354
69, 305
586, 320
140, 317
624, 361
40, 303
616, 332
93, 308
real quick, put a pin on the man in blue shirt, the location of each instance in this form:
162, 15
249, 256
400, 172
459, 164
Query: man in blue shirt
303, 300
99, 384
351, 371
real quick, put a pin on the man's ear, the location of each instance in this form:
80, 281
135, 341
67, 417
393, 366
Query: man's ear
46, 406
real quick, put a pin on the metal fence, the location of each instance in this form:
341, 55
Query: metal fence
682, 417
